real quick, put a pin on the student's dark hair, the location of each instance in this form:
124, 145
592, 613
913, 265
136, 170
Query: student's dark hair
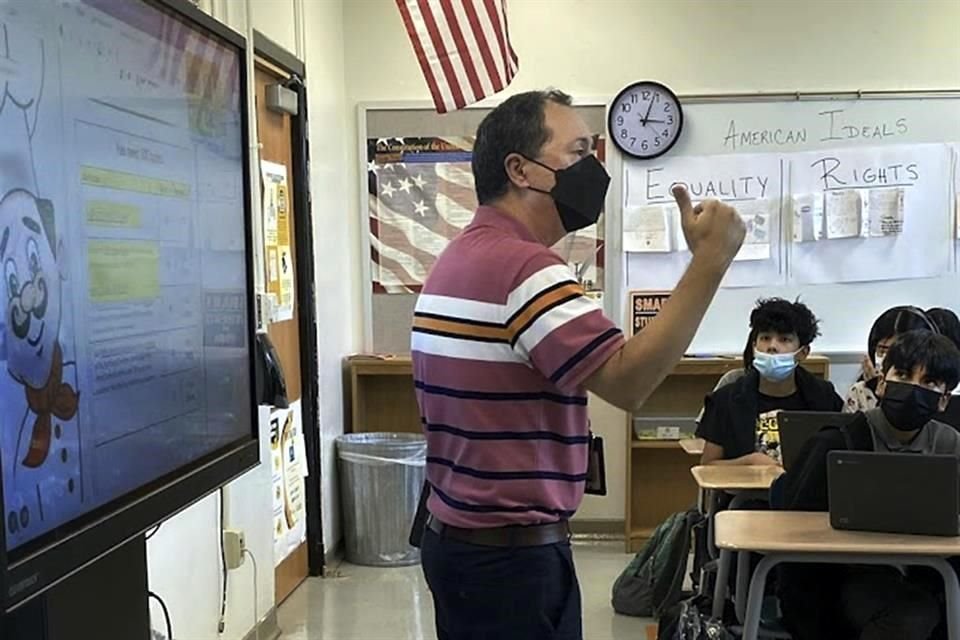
947, 322
937, 355
894, 321
517, 125
882, 328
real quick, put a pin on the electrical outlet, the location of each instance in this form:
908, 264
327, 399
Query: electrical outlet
234, 544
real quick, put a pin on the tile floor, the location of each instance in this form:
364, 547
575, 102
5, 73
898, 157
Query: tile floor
394, 604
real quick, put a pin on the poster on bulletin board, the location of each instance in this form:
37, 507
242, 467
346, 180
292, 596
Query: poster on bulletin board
421, 196
644, 306
276, 238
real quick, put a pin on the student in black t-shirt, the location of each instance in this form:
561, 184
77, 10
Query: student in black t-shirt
739, 421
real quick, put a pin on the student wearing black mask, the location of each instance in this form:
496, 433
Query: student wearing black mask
891, 323
873, 603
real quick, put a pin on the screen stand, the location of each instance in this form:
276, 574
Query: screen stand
107, 599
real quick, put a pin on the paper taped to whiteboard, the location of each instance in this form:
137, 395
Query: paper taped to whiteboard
885, 212
843, 211
808, 217
646, 229
758, 216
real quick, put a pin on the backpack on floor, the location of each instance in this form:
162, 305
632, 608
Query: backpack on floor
690, 620
653, 581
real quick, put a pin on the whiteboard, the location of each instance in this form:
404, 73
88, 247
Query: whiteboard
760, 124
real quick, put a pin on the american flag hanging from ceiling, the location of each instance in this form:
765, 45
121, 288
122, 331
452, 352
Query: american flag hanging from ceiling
463, 47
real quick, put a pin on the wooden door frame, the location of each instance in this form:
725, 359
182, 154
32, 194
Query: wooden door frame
267, 49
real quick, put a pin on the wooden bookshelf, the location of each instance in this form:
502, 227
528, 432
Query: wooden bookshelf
658, 480
382, 395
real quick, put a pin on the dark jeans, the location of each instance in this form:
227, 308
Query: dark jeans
884, 605
492, 593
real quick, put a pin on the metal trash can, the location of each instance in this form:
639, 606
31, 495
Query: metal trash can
381, 475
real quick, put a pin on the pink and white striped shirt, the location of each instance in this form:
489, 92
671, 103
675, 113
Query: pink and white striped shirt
503, 338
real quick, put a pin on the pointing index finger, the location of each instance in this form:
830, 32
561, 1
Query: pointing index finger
683, 202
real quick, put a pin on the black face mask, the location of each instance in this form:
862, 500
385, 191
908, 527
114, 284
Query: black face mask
908, 407
579, 192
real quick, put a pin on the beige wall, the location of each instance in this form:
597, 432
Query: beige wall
595, 48
695, 46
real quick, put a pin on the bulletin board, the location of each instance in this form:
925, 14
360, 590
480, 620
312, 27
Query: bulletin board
417, 193
850, 200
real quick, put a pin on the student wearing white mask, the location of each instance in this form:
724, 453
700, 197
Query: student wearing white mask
739, 421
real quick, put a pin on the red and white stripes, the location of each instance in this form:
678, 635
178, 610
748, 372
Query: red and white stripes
463, 47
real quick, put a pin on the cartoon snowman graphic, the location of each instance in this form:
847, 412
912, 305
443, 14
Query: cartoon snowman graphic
41, 440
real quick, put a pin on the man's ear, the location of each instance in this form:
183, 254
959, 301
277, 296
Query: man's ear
515, 167
802, 354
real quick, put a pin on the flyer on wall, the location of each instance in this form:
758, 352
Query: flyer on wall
276, 238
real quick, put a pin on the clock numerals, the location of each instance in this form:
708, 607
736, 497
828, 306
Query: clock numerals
623, 134
619, 121
648, 96
656, 141
669, 119
625, 107
666, 108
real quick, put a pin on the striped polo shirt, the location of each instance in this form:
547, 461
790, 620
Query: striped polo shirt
503, 338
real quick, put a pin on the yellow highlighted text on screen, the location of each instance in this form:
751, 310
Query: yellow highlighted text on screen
123, 270
123, 181
103, 213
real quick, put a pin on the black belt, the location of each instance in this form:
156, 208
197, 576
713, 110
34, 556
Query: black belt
513, 536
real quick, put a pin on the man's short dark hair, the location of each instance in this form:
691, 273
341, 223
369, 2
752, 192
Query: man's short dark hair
937, 355
517, 125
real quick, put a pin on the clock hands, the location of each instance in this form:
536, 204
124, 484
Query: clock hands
645, 119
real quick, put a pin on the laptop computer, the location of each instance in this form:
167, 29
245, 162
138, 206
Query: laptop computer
796, 427
894, 492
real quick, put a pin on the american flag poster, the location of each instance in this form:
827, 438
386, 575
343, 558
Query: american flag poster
421, 195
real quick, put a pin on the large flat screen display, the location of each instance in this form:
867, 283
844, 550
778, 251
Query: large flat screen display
125, 298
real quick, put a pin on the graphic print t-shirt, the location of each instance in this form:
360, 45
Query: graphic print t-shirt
767, 430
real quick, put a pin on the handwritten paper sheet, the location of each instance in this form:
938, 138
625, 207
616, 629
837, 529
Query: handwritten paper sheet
843, 212
808, 217
646, 229
884, 210
759, 216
